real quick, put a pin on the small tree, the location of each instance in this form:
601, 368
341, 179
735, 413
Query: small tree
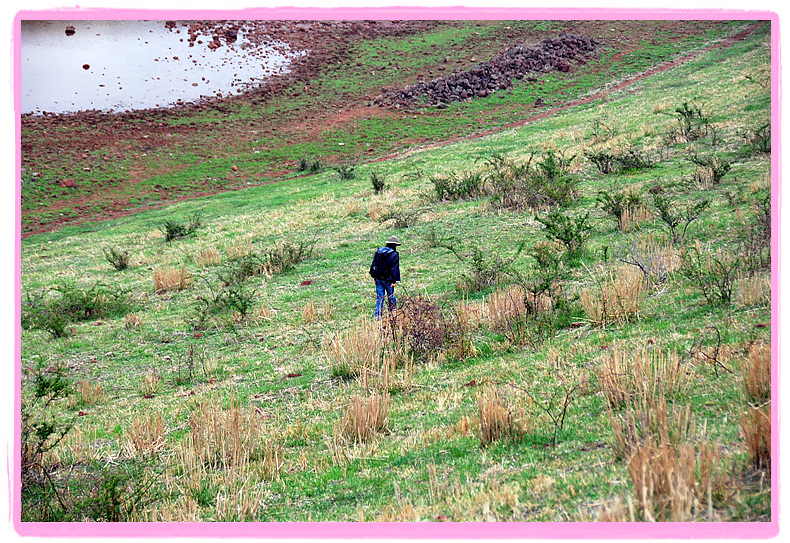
573, 232
678, 218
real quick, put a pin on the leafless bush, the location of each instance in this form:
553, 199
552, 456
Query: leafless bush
428, 328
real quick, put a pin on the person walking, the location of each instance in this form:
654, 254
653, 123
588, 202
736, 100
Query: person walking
385, 271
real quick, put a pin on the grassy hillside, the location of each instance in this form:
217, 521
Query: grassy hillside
584, 330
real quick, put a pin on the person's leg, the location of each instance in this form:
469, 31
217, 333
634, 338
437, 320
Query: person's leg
392, 303
380, 294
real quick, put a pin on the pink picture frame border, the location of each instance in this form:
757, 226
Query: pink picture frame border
428, 530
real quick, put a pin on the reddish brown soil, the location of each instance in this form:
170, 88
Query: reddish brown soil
47, 140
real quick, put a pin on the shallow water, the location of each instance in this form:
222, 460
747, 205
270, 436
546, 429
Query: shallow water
130, 65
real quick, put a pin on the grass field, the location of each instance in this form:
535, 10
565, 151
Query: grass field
584, 330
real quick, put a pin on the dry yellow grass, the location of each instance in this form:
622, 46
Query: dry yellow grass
497, 419
132, 320
628, 372
167, 279
616, 298
87, 393
365, 417
633, 218
649, 417
239, 248
757, 373
756, 431
674, 483
208, 256
505, 307
359, 347
754, 290
145, 435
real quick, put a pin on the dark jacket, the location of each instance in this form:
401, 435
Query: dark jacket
386, 265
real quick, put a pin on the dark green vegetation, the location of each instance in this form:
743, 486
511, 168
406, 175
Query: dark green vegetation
567, 338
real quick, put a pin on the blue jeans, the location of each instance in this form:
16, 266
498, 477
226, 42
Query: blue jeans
384, 290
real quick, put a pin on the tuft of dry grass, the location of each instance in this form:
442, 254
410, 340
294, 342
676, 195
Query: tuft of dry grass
224, 437
365, 417
754, 290
376, 211
757, 373
149, 383
167, 279
756, 431
649, 418
87, 393
633, 218
208, 256
664, 481
145, 435
239, 248
505, 307
617, 298
309, 313
472, 314
359, 347
132, 320
625, 373
497, 419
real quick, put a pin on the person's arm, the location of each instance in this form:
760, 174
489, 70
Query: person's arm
395, 269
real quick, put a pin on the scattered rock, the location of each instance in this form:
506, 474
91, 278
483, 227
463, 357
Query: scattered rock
497, 74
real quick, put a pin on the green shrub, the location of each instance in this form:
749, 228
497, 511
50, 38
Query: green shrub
710, 168
713, 273
283, 256
402, 217
692, 123
378, 181
572, 232
345, 171
758, 140
535, 184
53, 309
311, 165
117, 258
604, 160
618, 203
458, 186
678, 217
176, 229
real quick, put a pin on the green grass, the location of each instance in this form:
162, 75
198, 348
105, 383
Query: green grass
429, 464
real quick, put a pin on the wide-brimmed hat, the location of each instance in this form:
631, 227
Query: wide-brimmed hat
393, 241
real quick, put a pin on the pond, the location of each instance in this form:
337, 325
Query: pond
123, 65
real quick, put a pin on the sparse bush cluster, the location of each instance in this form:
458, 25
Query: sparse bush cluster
174, 229
541, 181
626, 161
54, 309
